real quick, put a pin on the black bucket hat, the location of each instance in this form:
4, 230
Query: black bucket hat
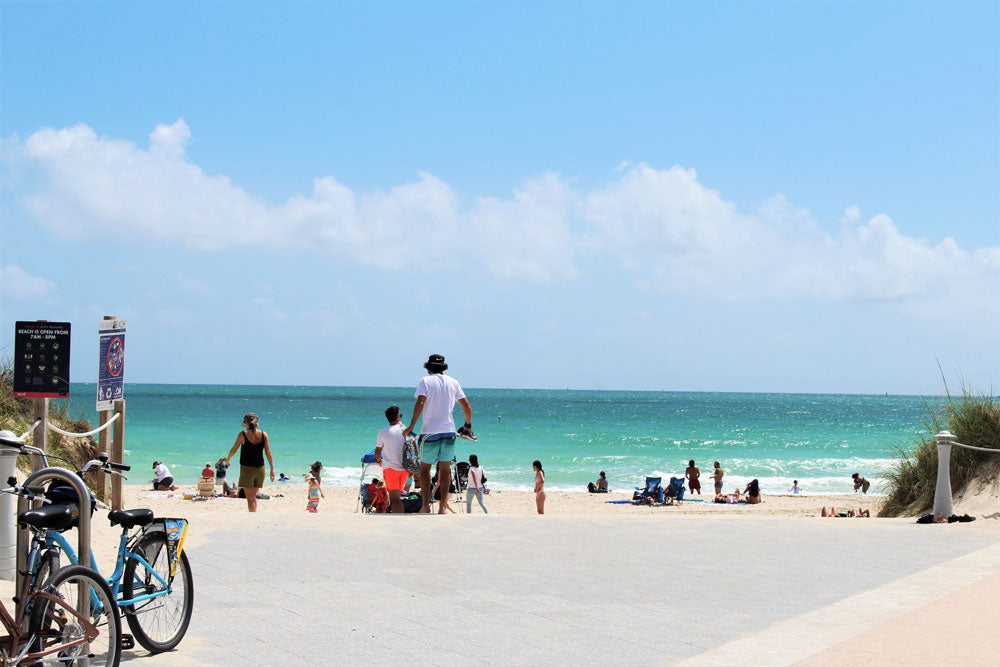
435, 363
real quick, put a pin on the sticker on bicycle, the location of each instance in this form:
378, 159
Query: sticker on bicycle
176, 532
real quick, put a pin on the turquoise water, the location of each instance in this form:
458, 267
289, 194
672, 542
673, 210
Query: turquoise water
817, 439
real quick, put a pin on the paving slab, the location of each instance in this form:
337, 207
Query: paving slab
553, 590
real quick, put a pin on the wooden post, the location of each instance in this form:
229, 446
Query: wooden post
103, 442
118, 453
40, 436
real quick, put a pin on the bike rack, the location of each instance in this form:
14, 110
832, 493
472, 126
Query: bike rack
83, 526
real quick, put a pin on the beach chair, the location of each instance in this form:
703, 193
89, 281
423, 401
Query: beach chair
367, 507
675, 490
652, 490
206, 488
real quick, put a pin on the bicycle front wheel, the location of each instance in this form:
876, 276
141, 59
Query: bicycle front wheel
158, 622
81, 608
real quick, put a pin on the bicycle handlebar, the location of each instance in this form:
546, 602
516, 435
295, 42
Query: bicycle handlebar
28, 492
109, 467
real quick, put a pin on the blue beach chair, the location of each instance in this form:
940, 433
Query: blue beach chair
653, 489
675, 490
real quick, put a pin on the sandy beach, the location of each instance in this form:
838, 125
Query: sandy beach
290, 501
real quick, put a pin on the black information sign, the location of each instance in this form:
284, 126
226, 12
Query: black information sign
41, 359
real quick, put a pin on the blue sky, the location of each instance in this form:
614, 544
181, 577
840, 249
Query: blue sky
691, 196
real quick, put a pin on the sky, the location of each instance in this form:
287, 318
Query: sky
749, 196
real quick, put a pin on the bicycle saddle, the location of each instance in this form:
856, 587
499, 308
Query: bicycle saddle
51, 517
130, 518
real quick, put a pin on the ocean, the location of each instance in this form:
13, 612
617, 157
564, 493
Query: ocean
816, 439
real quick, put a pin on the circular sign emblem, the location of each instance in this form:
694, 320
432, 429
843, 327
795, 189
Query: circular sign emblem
116, 356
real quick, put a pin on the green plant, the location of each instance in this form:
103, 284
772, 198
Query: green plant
18, 414
975, 420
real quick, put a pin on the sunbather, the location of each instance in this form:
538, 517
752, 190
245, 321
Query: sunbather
752, 493
858, 513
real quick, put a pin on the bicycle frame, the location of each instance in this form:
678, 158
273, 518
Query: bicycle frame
14, 625
54, 539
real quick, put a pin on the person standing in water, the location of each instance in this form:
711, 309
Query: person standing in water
255, 446
539, 486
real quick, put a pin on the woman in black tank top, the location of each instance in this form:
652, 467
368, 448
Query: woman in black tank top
255, 447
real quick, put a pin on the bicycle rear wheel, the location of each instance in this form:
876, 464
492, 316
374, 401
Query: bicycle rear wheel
56, 624
158, 623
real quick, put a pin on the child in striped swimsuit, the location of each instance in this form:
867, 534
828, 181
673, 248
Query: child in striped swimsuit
315, 493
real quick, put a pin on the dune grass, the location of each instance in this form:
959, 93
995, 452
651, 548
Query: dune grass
17, 415
975, 420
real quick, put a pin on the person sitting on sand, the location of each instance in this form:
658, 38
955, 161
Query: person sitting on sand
600, 486
692, 474
162, 480
378, 496
752, 493
860, 483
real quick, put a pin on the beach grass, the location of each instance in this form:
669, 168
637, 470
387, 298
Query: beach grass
17, 415
974, 418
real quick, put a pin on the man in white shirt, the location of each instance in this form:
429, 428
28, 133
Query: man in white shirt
436, 396
389, 455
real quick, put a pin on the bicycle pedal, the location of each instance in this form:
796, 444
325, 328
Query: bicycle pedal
128, 642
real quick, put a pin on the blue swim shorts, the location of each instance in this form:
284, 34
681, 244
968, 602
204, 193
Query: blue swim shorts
436, 447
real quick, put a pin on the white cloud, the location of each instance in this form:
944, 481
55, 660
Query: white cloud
103, 184
18, 285
674, 234
681, 237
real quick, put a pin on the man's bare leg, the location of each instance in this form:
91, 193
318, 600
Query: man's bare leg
395, 502
444, 483
425, 488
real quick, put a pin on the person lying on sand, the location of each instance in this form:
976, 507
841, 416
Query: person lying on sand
729, 498
832, 512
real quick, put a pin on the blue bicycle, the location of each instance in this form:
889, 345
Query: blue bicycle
152, 583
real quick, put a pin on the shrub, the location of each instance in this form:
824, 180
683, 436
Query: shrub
975, 420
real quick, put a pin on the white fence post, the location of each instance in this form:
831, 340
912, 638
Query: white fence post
942, 491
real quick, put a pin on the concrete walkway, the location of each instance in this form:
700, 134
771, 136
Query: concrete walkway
558, 590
